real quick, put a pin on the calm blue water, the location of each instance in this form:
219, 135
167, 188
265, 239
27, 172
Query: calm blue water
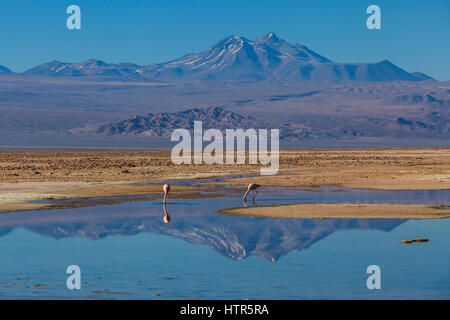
125, 251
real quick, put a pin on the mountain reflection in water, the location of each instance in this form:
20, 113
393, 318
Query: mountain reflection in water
233, 237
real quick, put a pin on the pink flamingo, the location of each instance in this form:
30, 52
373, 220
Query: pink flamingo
251, 187
166, 189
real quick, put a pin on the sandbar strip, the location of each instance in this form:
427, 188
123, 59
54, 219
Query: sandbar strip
344, 211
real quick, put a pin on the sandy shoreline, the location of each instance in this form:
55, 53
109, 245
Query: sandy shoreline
87, 194
36, 175
344, 211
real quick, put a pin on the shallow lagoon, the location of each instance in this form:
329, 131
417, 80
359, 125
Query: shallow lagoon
125, 251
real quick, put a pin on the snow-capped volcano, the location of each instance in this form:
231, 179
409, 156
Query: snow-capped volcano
237, 58
271, 58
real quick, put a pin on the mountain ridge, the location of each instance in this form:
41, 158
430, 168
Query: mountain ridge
164, 123
236, 58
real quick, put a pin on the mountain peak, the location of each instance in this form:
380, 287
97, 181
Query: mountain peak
230, 40
238, 58
270, 37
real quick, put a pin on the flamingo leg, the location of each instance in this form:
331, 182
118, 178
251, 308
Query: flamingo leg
245, 196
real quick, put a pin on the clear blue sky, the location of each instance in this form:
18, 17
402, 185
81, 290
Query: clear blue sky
415, 35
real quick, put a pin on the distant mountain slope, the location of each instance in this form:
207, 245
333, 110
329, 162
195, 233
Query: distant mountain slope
367, 72
4, 69
237, 58
415, 99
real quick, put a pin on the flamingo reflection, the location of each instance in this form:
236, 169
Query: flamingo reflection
166, 189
